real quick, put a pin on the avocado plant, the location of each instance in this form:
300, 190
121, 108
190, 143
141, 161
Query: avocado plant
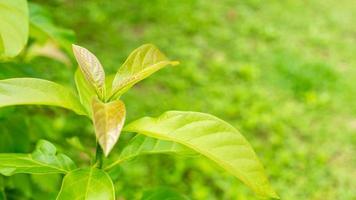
99, 99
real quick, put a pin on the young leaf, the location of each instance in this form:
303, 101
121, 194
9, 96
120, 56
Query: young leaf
43, 160
26, 91
91, 68
87, 184
213, 138
141, 63
13, 27
143, 145
85, 90
108, 120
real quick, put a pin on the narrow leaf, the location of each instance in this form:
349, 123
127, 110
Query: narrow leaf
13, 27
43, 160
108, 120
143, 145
91, 68
85, 90
141, 63
213, 138
27, 91
87, 184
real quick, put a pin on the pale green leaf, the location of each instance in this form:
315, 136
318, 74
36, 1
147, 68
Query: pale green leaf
43, 160
108, 120
91, 68
143, 145
85, 90
213, 138
163, 193
141, 63
13, 27
26, 91
87, 184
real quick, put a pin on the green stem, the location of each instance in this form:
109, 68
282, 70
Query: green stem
98, 157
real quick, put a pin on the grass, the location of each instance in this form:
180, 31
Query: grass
281, 71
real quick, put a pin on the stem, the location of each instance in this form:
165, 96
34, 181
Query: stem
98, 157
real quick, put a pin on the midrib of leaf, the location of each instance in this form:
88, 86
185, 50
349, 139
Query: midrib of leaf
138, 152
174, 130
89, 180
206, 153
31, 159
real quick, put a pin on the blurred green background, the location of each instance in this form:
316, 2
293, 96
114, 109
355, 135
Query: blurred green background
283, 72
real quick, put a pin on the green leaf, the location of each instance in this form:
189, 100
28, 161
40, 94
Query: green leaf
163, 193
43, 160
13, 27
213, 138
108, 120
87, 184
92, 69
140, 64
26, 91
85, 90
143, 145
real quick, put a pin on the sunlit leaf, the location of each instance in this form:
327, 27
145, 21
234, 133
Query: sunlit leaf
91, 68
87, 184
108, 120
163, 193
25, 91
13, 27
143, 145
141, 63
43, 160
85, 90
213, 138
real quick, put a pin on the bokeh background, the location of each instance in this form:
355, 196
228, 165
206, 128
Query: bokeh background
283, 72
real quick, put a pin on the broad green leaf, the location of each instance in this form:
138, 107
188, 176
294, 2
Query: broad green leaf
91, 68
163, 193
85, 90
141, 63
26, 91
213, 138
43, 160
108, 120
87, 184
13, 27
143, 145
